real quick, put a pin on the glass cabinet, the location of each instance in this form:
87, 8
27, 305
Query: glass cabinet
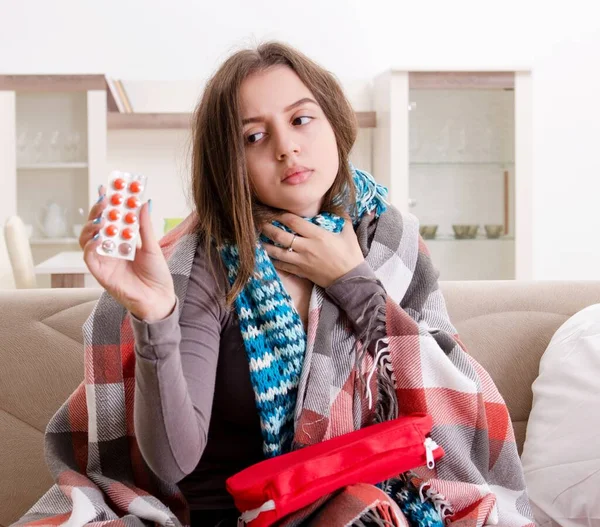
450, 160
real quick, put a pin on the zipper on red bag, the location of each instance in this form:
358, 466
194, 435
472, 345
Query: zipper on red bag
430, 448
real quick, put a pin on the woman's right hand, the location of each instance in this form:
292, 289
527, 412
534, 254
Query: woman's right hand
144, 286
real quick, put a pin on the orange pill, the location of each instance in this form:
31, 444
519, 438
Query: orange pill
135, 186
127, 233
119, 183
130, 218
133, 202
116, 199
111, 230
114, 215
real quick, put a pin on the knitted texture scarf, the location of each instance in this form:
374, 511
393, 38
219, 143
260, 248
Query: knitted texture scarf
272, 331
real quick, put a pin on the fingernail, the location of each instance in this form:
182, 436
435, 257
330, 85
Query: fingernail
150, 205
97, 220
99, 187
100, 198
96, 236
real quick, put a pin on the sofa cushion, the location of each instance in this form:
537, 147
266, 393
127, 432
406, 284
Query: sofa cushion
560, 454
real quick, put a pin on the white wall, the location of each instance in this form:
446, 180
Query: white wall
357, 39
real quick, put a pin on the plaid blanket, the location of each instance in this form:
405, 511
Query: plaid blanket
101, 477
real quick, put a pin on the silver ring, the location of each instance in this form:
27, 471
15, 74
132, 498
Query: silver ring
289, 249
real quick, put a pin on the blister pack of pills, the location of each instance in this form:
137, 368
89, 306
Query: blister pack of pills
119, 236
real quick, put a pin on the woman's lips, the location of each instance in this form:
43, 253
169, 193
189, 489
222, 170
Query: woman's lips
298, 177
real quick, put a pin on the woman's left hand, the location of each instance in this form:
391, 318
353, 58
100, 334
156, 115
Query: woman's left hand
317, 254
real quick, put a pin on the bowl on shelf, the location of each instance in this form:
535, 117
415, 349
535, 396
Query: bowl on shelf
428, 231
494, 231
465, 232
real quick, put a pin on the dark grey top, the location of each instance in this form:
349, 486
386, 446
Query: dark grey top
195, 415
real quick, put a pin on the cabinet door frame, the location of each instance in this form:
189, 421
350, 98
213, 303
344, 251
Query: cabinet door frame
8, 155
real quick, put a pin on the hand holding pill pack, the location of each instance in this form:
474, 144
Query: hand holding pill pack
120, 233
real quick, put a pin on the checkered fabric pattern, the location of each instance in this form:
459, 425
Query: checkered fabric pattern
481, 474
101, 477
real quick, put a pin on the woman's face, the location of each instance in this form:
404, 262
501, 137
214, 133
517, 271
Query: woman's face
291, 151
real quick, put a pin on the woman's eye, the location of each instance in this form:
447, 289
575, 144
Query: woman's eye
303, 117
252, 137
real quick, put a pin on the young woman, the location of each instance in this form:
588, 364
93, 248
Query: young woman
298, 265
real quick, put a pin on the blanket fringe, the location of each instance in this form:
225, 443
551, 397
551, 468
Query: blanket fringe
387, 404
380, 516
439, 501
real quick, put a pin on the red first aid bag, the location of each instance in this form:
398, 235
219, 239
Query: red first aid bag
270, 490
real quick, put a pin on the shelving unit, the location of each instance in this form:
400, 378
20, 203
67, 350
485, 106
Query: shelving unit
455, 148
52, 147
83, 104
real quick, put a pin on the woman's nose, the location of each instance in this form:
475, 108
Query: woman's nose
286, 145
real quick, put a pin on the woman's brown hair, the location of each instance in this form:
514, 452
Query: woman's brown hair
227, 209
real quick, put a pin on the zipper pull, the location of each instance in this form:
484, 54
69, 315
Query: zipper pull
430, 446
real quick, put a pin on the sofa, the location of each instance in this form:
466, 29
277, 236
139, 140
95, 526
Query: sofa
505, 325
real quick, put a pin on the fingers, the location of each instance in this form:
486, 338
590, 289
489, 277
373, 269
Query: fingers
95, 220
89, 230
89, 250
298, 224
287, 267
100, 205
281, 254
280, 236
149, 242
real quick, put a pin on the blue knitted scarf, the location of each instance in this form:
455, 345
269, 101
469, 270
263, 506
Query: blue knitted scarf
271, 327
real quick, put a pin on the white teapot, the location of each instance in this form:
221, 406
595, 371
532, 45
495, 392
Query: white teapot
55, 221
